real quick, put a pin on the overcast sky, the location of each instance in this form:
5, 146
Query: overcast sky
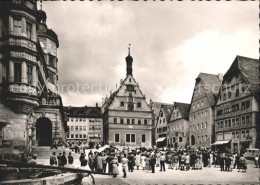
172, 42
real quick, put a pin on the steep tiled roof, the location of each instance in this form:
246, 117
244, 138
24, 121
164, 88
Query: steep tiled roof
249, 69
83, 112
212, 84
184, 109
157, 107
167, 110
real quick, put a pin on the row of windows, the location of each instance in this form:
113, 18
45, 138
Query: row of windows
77, 119
202, 139
173, 140
199, 104
162, 120
80, 136
200, 114
130, 121
161, 129
244, 134
199, 126
83, 128
228, 95
175, 127
139, 104
233, 122
234, 108
83, 136
130, 138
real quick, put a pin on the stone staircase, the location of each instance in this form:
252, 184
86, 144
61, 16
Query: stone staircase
44, 152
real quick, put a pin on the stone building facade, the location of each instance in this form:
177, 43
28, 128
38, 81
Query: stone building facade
31, 112
85, 125
202, 110
178, 126
237, 108
127, 116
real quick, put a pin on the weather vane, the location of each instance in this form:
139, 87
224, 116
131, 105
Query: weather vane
129, 49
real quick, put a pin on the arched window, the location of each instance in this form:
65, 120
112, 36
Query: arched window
180, 139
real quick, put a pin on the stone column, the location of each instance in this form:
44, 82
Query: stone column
11, 24
34, 76
34, 32
24, 72
11, 71
23, 24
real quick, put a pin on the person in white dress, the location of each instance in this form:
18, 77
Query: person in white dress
143, 161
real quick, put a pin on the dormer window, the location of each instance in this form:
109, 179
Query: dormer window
139, 104
130, 80
122, 104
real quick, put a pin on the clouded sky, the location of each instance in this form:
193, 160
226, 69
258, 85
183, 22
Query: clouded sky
172, 42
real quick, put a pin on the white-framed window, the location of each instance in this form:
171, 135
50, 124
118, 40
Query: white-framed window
117, 138
17, 26
71, 128
130, 138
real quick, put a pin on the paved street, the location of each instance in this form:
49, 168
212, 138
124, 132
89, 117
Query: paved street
205, 176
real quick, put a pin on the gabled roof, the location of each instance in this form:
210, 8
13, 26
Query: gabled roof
249, 69
184, 109
167, 109
157, 107
213, 83
83, 112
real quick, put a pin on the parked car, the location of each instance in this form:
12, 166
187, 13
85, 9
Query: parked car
250, 153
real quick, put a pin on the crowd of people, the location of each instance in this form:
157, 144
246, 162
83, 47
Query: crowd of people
108, 160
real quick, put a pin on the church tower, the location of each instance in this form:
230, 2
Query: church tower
129, 63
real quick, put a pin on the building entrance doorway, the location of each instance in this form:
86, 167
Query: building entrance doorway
192, 140
44, 132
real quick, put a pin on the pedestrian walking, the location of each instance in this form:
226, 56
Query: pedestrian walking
104, 162
83, 161
91, 161
137, 160
114, 164
158, 159
256, 161
153, 162
59, 159
143, 161
162, 162
64, 160
124, 161
70, 158
53, 159
99, 162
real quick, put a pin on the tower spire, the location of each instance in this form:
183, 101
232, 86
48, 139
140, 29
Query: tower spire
129, 62
41, 4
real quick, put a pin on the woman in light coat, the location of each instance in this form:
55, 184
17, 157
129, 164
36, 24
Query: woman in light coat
114, 164
137, 161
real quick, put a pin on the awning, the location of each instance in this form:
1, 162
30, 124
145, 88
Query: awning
220, 142
160, 139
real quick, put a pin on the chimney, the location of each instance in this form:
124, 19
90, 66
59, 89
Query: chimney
220, 77
96, 104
